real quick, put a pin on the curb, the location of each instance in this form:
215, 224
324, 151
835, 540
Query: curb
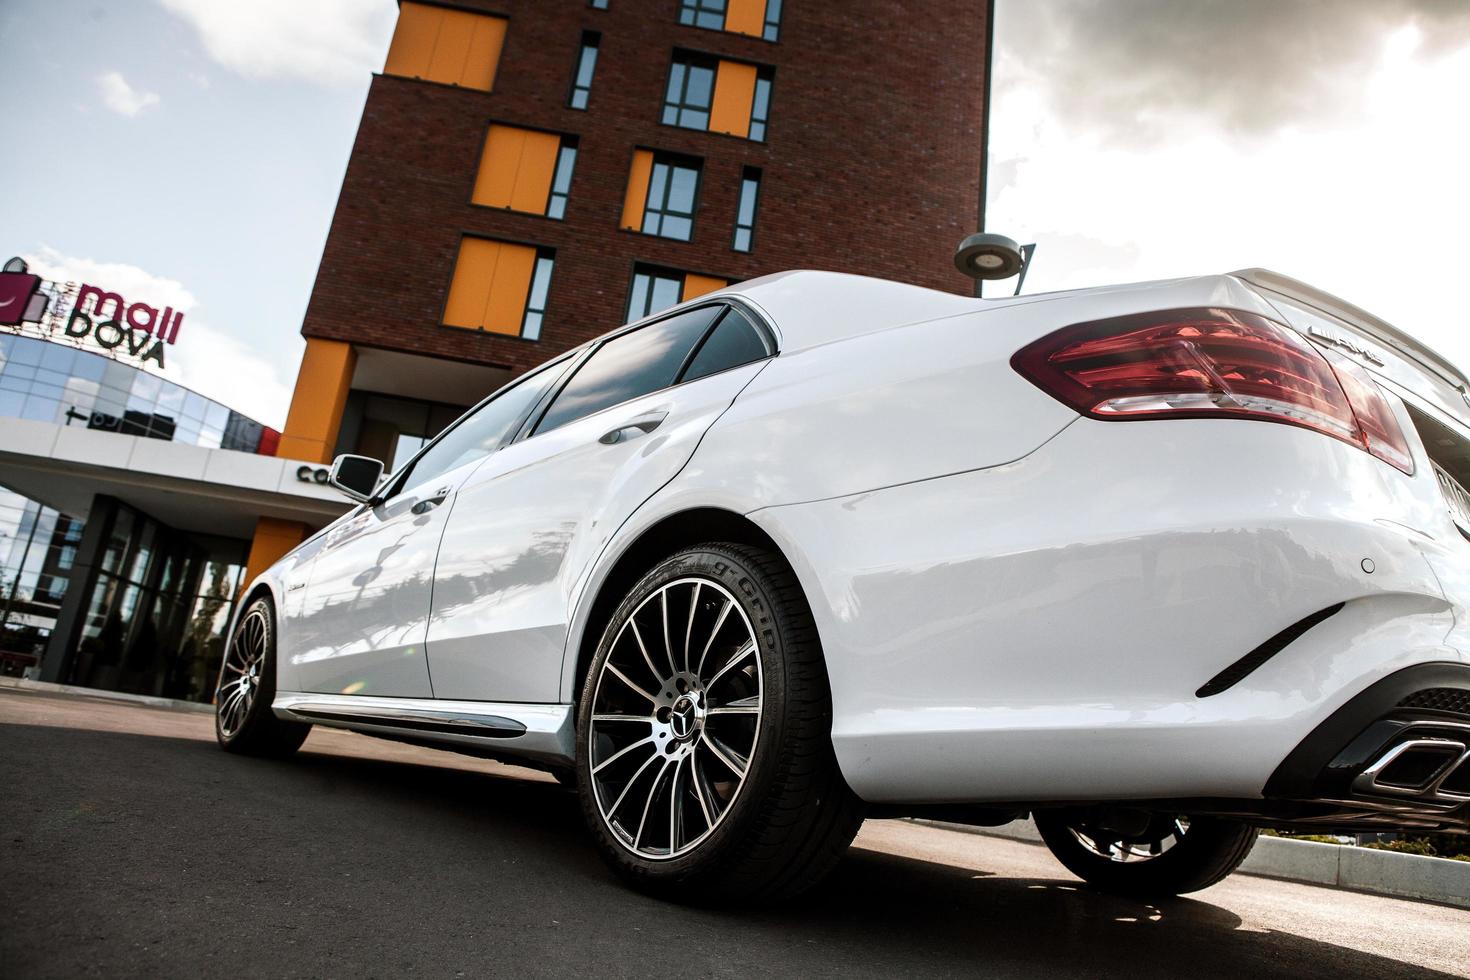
1361, 869
45, 687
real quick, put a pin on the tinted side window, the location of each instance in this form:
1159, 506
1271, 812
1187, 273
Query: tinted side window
734, 342
628, 366
481, 432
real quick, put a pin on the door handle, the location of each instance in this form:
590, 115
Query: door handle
433, 500
642, 425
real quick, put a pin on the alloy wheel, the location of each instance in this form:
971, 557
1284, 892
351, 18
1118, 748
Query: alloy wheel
240, 676
675, 718
1162, 835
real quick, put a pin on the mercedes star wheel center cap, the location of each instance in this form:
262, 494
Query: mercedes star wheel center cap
684, 718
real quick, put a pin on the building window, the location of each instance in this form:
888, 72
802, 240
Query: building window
661, 195
760, 108
703, 13
750, 189
586, 66
656, 288
690, 92
525, 170
720, 96
771, 27
757, 18
561, 181
453, 47
536, 302
499, 287
602, 4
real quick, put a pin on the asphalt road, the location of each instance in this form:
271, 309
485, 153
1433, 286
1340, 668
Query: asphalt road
131, 846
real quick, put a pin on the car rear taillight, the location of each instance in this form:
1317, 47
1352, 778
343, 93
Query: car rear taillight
1212, 363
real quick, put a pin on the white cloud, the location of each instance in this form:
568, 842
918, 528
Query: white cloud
121, 97
1363, 199
1135, 68
210, 360
328, 42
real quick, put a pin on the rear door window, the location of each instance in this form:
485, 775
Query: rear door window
630, 365
734, 341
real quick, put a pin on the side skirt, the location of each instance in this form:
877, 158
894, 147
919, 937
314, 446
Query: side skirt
537, 732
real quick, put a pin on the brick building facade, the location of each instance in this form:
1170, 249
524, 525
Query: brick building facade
862, 121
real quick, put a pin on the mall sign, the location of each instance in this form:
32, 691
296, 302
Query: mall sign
92, 314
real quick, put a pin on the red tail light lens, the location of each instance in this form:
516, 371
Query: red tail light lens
1211, 363
1377, 426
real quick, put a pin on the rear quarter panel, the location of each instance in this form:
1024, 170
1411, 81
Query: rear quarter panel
910, 402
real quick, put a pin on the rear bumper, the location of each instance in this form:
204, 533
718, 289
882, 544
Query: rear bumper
1397, 754
1040, 631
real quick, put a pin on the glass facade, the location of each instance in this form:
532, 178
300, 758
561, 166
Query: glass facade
156, 600
52, 382
157, 609
38, 547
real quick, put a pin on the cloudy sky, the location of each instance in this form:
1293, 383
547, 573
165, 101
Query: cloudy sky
189, 152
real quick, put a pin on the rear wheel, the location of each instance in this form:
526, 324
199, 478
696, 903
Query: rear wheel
243, 720
705, 763
1145, 855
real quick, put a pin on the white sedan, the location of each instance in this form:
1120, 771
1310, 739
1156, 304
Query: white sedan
1158, 564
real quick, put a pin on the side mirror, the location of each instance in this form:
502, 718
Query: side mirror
356, 476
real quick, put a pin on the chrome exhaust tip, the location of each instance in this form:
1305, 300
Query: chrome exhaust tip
1435, 769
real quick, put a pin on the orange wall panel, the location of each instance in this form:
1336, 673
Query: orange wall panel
454, 47
636, 197
484, 55
413, 40
516, 168
318, 400
746, 17
273, 538
697, 285
734, 96
491, 282
501, 160
533, 178
506, 306
469, 292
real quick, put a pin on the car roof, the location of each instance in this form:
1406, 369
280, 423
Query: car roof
808, 307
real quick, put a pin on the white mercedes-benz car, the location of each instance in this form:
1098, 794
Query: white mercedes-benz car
1158, 564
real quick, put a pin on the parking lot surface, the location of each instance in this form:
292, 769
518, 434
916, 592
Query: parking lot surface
133, 847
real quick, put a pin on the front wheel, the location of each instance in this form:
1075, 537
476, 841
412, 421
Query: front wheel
1145, 855
243, 720
704, 759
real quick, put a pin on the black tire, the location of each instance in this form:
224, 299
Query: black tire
243, 720
1204, 854
793, 816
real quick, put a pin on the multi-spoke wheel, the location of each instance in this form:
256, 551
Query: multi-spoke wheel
1146, 854
239, 678
704, 758
243, 720
675, 718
